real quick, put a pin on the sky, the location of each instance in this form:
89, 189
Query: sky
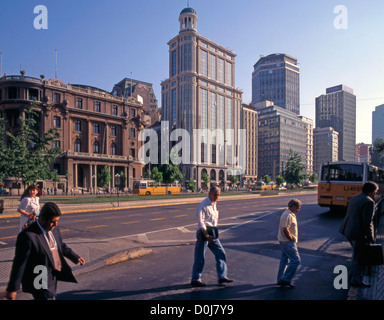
100, 42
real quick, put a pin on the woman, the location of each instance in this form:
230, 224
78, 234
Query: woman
29, 205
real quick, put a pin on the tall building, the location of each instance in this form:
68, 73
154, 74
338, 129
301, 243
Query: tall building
326, 147
378, 123
276, 78
94, 128
280, 131
337, 109
309, 140
200, 94
249, 119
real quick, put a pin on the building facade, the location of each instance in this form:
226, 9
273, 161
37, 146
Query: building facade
143, 92
94, 128
249, 119
200, 97
337, 109
276, 78
280, 131
378, 123
326, 147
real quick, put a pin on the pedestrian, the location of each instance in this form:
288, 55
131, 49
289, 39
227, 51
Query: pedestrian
207, 236
39, 258
288, 238
29, 207
358, 228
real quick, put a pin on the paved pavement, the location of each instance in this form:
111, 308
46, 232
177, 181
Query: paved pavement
110, 251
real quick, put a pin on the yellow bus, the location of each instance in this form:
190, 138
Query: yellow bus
340, 181
149, 187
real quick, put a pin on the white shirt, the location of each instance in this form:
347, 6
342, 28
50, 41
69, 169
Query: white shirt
207, 214
29, 205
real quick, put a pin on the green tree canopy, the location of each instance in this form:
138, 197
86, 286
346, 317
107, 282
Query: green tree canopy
294, 169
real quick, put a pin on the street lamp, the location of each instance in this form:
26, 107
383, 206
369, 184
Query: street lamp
117, 185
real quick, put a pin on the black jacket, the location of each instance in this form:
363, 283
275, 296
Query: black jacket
32, 250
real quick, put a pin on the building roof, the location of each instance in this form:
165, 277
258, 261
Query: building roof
188, 10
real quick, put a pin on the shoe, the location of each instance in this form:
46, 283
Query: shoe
285, 283
225, 280
198, 283
361, 285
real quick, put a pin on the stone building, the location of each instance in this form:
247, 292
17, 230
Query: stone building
94, 128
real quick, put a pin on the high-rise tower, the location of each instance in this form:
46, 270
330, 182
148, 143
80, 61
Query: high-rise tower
200, 97
276, 78
337, 109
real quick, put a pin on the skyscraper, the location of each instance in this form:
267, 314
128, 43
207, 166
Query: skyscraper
276, 78
378, 123
200, 94
337, 109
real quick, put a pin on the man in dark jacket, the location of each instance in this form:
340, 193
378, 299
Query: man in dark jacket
39, 258
358, 229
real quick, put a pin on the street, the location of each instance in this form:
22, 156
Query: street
248, 231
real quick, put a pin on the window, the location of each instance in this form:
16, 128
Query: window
96, 128
114, 110
132, 152
132, 113
113, 149
77, 125
57, 122
12, 93
96, 147
77, 145
79, 103
132, 133
173, 63
97, 106
56, 97
57, 144
33, 94
113, 131
204, 63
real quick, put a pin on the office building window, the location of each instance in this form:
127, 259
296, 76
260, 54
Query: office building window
204, 63
56, 97
96, 147
114, 110
113, 149
113, 131
56, 122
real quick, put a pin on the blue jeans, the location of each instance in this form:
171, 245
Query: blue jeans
289, 261
199, 259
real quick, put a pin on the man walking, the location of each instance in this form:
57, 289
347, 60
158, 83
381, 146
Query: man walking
358, 228
207, 236
288, 237
39, 260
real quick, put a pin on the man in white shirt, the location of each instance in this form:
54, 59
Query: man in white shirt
288, 237
207, 236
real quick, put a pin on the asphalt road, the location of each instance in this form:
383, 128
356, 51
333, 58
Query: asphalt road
248, 232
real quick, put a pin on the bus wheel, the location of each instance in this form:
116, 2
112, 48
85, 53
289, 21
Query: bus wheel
147, 193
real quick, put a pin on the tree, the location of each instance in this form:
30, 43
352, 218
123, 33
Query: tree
104, 177
26, 155
233, 180
266, 179
156, 175
294, 168
191, 185
206, 178
280, 180
313, 177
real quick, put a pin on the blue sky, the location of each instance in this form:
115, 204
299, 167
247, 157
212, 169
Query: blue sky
100, 42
